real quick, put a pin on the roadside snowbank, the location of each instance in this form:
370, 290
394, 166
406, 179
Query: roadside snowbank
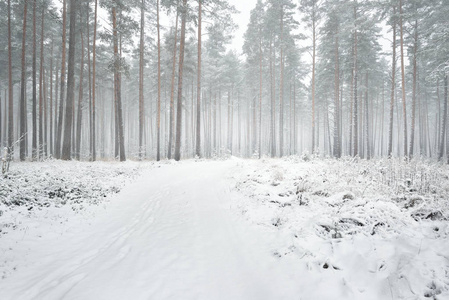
358, 229
39, 198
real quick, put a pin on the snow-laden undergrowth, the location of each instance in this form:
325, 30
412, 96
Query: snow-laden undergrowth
365, 229
43, 190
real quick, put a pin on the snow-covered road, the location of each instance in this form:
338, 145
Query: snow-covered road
170, 235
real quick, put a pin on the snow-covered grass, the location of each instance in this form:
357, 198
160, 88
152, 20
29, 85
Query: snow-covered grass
41, 190
358, 229
47, 198
292, 228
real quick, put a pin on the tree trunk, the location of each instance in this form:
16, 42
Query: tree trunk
67, 137
141, 63
336, 150
198, 88
80, 103
93, 132
172, 94
41, 88
367, 123
181, 65
34, 154
354, 70
10, 88
55, 115
260, 94
313, 78
117, 87
281, 89
273, 102
50, 136
62, 84
444, 121
446, 99
393, 79
23, 106
412, 133
403, 81
89, 71
45, 112
158, 155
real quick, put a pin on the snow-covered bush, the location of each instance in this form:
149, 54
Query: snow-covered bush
360, 220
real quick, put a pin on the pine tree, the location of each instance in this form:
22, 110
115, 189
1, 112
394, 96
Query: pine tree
68, 120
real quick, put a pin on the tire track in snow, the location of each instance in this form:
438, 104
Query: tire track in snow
170, 235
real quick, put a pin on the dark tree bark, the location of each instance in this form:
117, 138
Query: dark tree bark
93, 129
50, 134
80, 103
412, 129
313, 76
41, 88
337, 150
404, 110
34, 154
180, 74
281, 88
23, 109
158, 154
198, 88
354, 84
67, 138
273, 100
10, 88
118, 97
367, 124
444, 121
260, 94
393, 85
141, 62
172, 92
62, 84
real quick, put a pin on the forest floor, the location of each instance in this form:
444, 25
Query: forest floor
293, 228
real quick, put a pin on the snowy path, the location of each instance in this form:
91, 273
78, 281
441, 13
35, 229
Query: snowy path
169, 235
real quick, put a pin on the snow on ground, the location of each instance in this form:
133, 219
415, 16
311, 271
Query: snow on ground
293, 228
40, 198
357, 229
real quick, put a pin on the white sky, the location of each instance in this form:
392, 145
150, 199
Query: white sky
242, 20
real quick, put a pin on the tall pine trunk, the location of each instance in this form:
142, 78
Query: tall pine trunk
404, 107
58, 138
444, 121
180, 74
198, 88
367, 123
67, 137
41, 88
337, 150
158, 154
273, 100
412, 129
117, 88
23, 106
354, 84
94, 89
50, 133
172, 91
34, 154
260, 94
313, 78
141, 64
393, 85
10, 87
80, 103
281, 89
